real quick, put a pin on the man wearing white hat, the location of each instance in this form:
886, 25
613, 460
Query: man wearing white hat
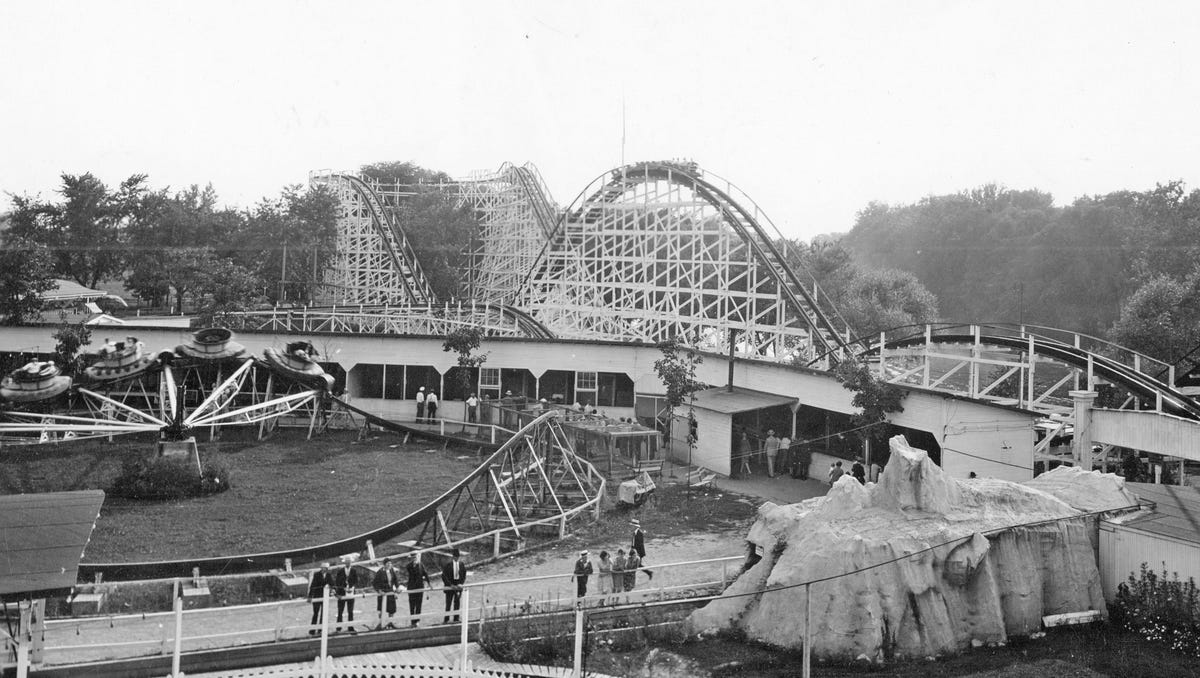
583, 568
639, 543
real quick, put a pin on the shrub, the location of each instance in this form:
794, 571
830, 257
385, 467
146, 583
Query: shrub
167, 478
1160, 609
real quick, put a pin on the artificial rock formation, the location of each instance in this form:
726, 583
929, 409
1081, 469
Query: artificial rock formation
941, 563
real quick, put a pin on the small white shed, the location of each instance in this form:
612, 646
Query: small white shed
1164, 536
715, 410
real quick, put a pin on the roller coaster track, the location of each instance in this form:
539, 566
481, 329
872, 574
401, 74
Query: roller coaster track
536, 192
497, 320
587, 237
531, 488
1020, 339
412, 286
516, 218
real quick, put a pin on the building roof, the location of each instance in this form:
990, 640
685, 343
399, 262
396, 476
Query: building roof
69, 290
739, 400
42, 537
1176, 511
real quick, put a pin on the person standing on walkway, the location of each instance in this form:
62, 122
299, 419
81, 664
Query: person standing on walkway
835, 471
771, 447
454, 575
639, 544
420, 404
417, 580
859, 472
785, 456
632, 564
345, 581
583, 568
385, 582
431, 405
316, 595
803, 459
472, 409
618, 572
604, 577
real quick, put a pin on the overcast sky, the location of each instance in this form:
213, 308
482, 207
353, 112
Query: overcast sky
812, 108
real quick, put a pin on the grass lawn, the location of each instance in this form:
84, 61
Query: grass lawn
287, 492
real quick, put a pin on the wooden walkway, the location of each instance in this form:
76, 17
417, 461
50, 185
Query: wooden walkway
424, 662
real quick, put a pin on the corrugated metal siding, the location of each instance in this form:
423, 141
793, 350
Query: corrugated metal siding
1123, 550
1149, 431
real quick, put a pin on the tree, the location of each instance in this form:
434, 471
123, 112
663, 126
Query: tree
874, 398
869, 299
878, 300
225, 287
439, 230
69, 338
403, 173
1161, 319
440, 233
25, 273
177, 242
677, 371
290, 241
83, 230
465, 341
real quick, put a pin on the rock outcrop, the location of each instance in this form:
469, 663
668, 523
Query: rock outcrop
936, 564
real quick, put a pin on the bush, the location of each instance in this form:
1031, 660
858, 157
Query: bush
1160, 609
533, 638
167, 478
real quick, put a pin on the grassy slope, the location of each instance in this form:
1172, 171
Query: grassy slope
287, 492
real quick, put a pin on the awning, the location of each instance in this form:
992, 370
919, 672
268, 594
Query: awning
42, 537
739, 400
69, 290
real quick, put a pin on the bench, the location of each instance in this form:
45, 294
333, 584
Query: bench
701, 477
652, 466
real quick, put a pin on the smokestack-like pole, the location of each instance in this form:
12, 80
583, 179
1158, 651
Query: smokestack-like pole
732, 337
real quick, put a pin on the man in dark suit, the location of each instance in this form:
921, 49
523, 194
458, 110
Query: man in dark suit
454, 575
345, 581
316, 595
639, 544
418, 579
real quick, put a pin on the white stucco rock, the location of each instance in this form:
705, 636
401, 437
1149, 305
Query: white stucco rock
939, 563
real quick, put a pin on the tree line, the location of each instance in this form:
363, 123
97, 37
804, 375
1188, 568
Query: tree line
166, 247
1122, 265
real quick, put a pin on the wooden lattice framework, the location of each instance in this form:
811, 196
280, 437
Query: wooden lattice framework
516, 219
659, 250
496, 320
1031, 367
374, 262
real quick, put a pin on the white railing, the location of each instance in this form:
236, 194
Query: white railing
108, 637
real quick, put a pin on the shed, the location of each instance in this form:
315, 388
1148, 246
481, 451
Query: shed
718, 411
1165, 535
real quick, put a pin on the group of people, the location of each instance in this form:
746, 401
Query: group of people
778, 453
613, 575
857, 470
427, 406
387, 583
